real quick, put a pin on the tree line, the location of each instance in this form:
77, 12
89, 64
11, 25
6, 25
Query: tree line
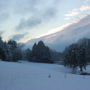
75, 55
12, 51
78, 54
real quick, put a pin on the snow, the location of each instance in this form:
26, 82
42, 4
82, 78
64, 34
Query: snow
38, 76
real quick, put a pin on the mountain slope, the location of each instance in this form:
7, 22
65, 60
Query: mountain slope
58, 41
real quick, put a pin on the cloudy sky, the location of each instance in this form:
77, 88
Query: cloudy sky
23, 20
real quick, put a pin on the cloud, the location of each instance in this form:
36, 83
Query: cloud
5, 10
69, 34
4, 16
1, 33
18, 37
84, 8
29, 23
25, 6
87, 0
49, 13
36, 20
31, 6
27, 14
78, 12
74, 12
82, 22
3, 4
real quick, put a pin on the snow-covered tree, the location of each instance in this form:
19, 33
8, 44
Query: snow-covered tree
75, 56
41, 53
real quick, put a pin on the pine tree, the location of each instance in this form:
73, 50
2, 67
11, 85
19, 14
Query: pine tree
2, 52
41, 53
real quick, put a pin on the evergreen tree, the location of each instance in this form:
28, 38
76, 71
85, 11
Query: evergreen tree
2, 52
75, 56
12, 50
41, 53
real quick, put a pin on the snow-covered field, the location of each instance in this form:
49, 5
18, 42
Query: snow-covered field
38, 76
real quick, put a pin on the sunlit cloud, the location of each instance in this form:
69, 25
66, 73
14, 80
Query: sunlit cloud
84, 8
38, 16
52, 31
77, 13
69, 34
74, 12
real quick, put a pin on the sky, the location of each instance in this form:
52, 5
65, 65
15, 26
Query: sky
22, 20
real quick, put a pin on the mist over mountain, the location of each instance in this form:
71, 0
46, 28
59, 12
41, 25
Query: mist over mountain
71, 34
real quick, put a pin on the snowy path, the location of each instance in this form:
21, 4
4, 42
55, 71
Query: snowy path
34, 76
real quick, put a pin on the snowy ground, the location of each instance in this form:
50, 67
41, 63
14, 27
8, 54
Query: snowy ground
35, 76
